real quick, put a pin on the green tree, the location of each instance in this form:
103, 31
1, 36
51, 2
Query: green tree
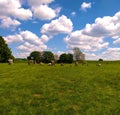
35, 55
5, 52
66, 58
47, 57
69, 58
62, 58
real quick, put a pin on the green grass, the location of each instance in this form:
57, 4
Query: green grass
60, 90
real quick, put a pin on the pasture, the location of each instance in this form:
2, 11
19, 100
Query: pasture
60, 90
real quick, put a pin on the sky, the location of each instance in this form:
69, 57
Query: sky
61, 25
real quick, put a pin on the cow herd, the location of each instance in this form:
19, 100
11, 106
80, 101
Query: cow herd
52, 63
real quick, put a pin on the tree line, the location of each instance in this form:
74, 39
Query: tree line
37, 56
48, 56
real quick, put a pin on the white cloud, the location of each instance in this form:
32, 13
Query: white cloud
85, 6
116, 41
8, 23
42, 10
26, 36
39, 2
22, 14
85, 42
106, 26
44, 38
28, 47
28, 42
91, 56
14, 8
60, 25
102, 27
10, 12
13, 38
31, 37
91, 39
21, 54
111, 54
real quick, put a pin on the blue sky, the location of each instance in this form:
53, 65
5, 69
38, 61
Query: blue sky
60, 25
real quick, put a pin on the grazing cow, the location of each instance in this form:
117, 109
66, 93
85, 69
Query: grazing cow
41, 63
76, 63
98, 64
10, 61
49, 64
52, 63
62, 64
31, 62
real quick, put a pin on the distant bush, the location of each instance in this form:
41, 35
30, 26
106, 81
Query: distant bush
100, 60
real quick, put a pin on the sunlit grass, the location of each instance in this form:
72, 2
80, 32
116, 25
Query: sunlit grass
60, 90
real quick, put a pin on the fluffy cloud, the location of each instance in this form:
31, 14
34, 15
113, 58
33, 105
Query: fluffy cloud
28, 47
111, 54
26, 36
31, 37
13, 38
85, 6
10, 10
92, 56
22, 14
42, 10
44, 38
14, 9
28, 42
106, 26
39, 2
8, 23
85, 42
21, 54
60, 25
92, 38
116, 41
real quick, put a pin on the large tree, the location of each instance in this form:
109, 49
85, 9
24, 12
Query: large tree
47, 57
5, 52
62, 58
66, 58
35, 55
69, 58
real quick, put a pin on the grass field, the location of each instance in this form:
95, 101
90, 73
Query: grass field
60, 90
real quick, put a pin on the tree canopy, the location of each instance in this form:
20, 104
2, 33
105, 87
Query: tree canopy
35, 55
66, 58
5, 52
45, 56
